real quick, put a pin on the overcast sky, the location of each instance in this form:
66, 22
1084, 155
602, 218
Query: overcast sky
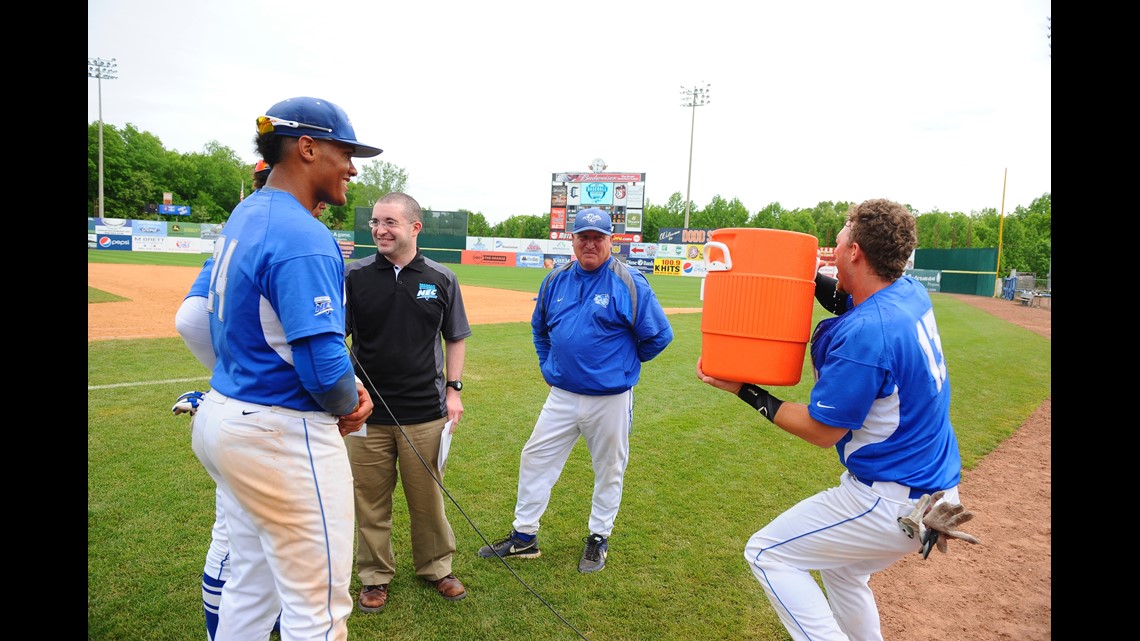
925, 103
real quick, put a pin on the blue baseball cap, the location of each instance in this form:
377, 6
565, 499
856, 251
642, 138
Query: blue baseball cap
593, 219
316, 118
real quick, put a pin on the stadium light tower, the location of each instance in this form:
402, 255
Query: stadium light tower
694, 97
101, 69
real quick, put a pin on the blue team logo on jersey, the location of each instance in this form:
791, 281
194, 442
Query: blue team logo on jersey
427, 292
322, 305
602, 299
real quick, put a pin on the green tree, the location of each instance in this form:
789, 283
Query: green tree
828, 219
654, 218
768, 217
933, 230
520, 226
1026, 243
800, 220
651, 216
477, 224
720, 214
220, 176
138, 171
116, 173
376, 178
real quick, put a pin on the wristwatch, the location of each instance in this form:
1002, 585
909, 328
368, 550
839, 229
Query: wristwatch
456, 385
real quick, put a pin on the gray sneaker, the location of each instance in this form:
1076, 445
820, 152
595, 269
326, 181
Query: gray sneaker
511, 546
594, 556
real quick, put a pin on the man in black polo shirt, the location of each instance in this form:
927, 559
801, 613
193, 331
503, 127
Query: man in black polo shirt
399, 305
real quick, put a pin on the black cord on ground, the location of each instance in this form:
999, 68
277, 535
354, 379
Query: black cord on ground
439, 482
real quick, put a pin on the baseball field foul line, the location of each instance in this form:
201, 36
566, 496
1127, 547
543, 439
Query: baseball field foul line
172, 380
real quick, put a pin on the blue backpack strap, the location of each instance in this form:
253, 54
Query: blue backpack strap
549, 278
619, 268
616, 266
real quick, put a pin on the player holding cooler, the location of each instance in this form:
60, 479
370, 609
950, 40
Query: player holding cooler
882, 398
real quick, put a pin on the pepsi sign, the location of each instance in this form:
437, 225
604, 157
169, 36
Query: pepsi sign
120, 243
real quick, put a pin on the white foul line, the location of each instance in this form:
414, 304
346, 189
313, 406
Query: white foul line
172, 380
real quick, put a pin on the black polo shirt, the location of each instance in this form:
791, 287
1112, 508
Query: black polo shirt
396, 324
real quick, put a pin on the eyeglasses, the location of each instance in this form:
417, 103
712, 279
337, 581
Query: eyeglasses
266, 124
387, 223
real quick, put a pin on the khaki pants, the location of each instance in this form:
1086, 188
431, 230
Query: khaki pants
379, 455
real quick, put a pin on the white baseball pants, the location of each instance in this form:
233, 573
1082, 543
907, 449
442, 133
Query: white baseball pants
847, 533
605, 423
286, 490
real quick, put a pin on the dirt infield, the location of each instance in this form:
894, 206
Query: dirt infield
999, 590
155, 292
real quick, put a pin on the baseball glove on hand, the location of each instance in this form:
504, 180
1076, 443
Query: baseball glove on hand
938, 525
187, 403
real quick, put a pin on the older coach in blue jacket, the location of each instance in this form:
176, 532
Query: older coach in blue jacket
595, 322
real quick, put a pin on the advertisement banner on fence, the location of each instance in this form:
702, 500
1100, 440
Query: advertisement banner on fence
186, 230
509, 245
930, 278
148, 228
537, 245
117, 243
211, 231
694, 268
500, 259
148, 243
643, 250
113, 226
667, 267
550, 261
529, 260
171, 244
683, 236
182, 245
564, 247
641, 264
345, 238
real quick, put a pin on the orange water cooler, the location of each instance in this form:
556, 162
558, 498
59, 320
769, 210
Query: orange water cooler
758, 294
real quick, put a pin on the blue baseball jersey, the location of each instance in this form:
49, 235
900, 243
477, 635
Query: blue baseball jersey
586, 337
278, 276
881, 373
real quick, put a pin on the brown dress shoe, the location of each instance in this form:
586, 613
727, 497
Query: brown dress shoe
450, 588
373, 598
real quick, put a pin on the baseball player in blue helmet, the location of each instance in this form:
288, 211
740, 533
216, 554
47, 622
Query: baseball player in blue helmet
283, 390
192, 321
882, 399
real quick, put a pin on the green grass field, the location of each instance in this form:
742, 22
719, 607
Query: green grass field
705, 472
